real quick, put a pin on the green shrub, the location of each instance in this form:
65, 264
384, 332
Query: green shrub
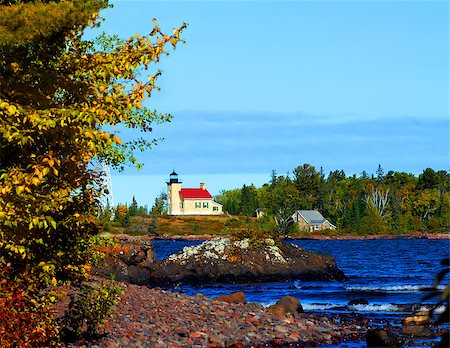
88, 311
196, 227
256, 236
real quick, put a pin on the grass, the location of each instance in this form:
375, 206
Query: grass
182, 225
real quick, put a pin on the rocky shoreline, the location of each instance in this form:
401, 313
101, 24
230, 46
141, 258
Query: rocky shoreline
153, 318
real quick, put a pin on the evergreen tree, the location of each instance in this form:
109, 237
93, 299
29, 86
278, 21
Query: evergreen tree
307, 181
133, 208
160, 205
249, 200
380, 174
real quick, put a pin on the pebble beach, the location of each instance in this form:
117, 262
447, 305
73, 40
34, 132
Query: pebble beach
151, 317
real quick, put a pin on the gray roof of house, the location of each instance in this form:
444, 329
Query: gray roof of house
312, 216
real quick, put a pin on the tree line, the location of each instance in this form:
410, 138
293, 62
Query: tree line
380, 203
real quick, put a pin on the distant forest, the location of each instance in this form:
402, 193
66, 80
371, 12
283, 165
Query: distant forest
392, 202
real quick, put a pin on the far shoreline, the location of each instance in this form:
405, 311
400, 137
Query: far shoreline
204, 237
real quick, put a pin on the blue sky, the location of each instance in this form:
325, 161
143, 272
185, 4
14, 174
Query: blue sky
262, 85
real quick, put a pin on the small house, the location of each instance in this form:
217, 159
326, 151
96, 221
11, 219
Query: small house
312, 220
190, 201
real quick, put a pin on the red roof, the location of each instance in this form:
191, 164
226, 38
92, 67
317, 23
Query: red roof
195, 193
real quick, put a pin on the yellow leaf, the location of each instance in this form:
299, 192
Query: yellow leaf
19, 189
12, 109
15, 67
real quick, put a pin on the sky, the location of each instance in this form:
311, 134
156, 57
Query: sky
270, 85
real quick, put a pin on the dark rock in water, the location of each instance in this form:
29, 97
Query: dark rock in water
421, 331
287, 304
382, 338
132, 261
445, 340
235, 297
223, 260
358, 301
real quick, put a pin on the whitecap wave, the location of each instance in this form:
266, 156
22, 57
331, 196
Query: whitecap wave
393, 288
319, 306
377, 308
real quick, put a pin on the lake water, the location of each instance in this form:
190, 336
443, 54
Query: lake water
388, 273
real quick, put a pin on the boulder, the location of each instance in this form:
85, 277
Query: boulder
235, 297
227, 260
382, 338
418, 318
287, 304
421, 331
358, 301
132, 261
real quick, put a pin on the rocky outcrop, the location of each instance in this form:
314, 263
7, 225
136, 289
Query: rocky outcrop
132, 261
225, 260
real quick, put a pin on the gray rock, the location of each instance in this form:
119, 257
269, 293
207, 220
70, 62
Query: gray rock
254, 306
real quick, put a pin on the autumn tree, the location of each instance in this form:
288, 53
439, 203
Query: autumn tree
62, 101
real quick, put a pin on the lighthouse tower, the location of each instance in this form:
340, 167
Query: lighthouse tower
173, 195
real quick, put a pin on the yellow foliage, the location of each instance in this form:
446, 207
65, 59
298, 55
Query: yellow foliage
57, 97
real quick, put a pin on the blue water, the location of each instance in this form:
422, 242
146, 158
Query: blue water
388, 273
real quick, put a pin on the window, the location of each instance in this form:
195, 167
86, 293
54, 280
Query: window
215, 208
198, 204
316, 227
181, 205
205, 204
